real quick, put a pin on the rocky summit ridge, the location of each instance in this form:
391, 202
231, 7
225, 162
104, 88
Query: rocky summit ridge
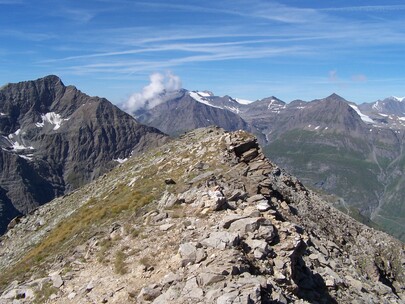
203, 219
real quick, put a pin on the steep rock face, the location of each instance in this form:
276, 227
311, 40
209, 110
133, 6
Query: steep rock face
55, 138
204, 219
183, 113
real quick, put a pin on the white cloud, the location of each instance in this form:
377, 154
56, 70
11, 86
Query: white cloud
151, 95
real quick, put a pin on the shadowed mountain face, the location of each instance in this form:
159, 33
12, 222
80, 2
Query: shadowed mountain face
54, 139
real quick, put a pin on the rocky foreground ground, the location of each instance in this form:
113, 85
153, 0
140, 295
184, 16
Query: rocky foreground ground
204, 219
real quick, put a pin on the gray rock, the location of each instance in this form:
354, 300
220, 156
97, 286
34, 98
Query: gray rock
170, 278
57, 281
188, 253
260, 248
249, 155
250, 294
256, 198
192, 290
167, 200
245, 225
356, 284
201, 255
9, 294
149, 293
217, 200
89, 287
266, 232
167, 297
165, 227
221, 240
71, 295
212, 294
207, 278
279, 263
229, 219
263, 206
228, 298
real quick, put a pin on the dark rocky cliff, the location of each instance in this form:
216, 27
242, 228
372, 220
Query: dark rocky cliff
54, 138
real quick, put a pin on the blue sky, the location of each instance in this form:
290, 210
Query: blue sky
247, 49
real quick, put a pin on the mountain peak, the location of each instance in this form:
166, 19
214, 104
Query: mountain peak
53, 78
335, 96
49, 80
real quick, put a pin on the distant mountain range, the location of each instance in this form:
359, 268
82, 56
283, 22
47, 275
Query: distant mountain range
351, 151
54, 139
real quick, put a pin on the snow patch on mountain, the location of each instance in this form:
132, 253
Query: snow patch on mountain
14, 144
243, 101
2, 114
233, 109
27, 157
363, 117
400, 99
205, 93
197, 97
120, 160
51, 118
377, 106
271, 103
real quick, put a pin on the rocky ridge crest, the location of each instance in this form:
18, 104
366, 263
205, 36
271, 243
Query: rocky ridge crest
204, 219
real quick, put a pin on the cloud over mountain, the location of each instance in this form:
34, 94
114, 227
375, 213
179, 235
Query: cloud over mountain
150, 96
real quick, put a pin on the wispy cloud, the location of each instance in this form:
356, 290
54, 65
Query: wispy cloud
366, 8
78, 15
116, 37
26, 35
11, 2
